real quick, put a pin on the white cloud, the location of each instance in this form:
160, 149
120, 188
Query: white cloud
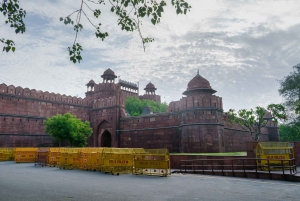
241, 47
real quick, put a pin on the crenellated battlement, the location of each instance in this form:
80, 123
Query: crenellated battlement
33, 93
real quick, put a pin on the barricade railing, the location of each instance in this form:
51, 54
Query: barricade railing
68, 158
53, 156
152, 162
88, 158
117, 160
25, 155
41, 156
108, 160
241, 165
7, 154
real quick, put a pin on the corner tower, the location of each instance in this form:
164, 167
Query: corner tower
201, 114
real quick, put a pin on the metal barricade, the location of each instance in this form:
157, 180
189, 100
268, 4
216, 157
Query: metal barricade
6, 154
152, 162
41, 156
268, 152
68, 158
25, 155
53, 156
88, 158
117, 160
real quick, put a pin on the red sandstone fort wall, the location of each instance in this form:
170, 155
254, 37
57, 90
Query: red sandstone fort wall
22, 112
151, 131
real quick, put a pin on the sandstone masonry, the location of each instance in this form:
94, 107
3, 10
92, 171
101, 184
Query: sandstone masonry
194, 123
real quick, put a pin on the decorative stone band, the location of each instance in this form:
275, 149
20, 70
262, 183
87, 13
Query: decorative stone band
21, 116
24, 134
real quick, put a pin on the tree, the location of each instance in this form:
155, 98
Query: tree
134, 106
290, 90
68, 127
129, 12
254, 120
290, 131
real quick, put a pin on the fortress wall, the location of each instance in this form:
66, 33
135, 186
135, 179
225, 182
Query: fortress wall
39, 108
202, 138
151, 131
22, 131
22, 112
235, 137
235, 140
153, 97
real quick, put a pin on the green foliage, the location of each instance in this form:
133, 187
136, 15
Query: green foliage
74, 53
134, 106
290, 85
254, 120
129, 13
14, 16
290, 131
68, 127
290, 90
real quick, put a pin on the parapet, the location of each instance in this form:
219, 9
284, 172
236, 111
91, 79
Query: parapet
38, 94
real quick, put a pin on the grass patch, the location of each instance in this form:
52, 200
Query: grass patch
242, 153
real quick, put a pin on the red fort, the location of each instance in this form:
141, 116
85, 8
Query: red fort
195, 123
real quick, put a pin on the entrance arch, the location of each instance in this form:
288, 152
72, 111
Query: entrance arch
106, 139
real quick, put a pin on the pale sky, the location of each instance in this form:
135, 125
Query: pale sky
241, 47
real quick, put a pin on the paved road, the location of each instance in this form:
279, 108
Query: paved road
27, 182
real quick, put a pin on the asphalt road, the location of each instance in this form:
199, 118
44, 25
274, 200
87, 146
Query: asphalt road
24, 181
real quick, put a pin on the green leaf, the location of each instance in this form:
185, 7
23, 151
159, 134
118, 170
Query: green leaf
7, 48
60, 19
13, 49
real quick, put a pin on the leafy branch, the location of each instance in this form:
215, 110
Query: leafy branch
130, 14
127, 19
14, 16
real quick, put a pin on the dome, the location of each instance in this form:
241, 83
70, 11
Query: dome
150, 86
109, 73
198, 83
91, 82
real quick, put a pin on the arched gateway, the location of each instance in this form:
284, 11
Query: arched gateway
106, 139
104, 134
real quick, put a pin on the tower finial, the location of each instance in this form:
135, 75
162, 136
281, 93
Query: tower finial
198, 72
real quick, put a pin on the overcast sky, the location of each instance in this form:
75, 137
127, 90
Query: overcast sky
241, 47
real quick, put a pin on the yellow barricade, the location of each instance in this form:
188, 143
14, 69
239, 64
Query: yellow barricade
274, 152
53, 157
88, 158
25, 155
152, 162
41, 156
117, 160
6, 154
68, 158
